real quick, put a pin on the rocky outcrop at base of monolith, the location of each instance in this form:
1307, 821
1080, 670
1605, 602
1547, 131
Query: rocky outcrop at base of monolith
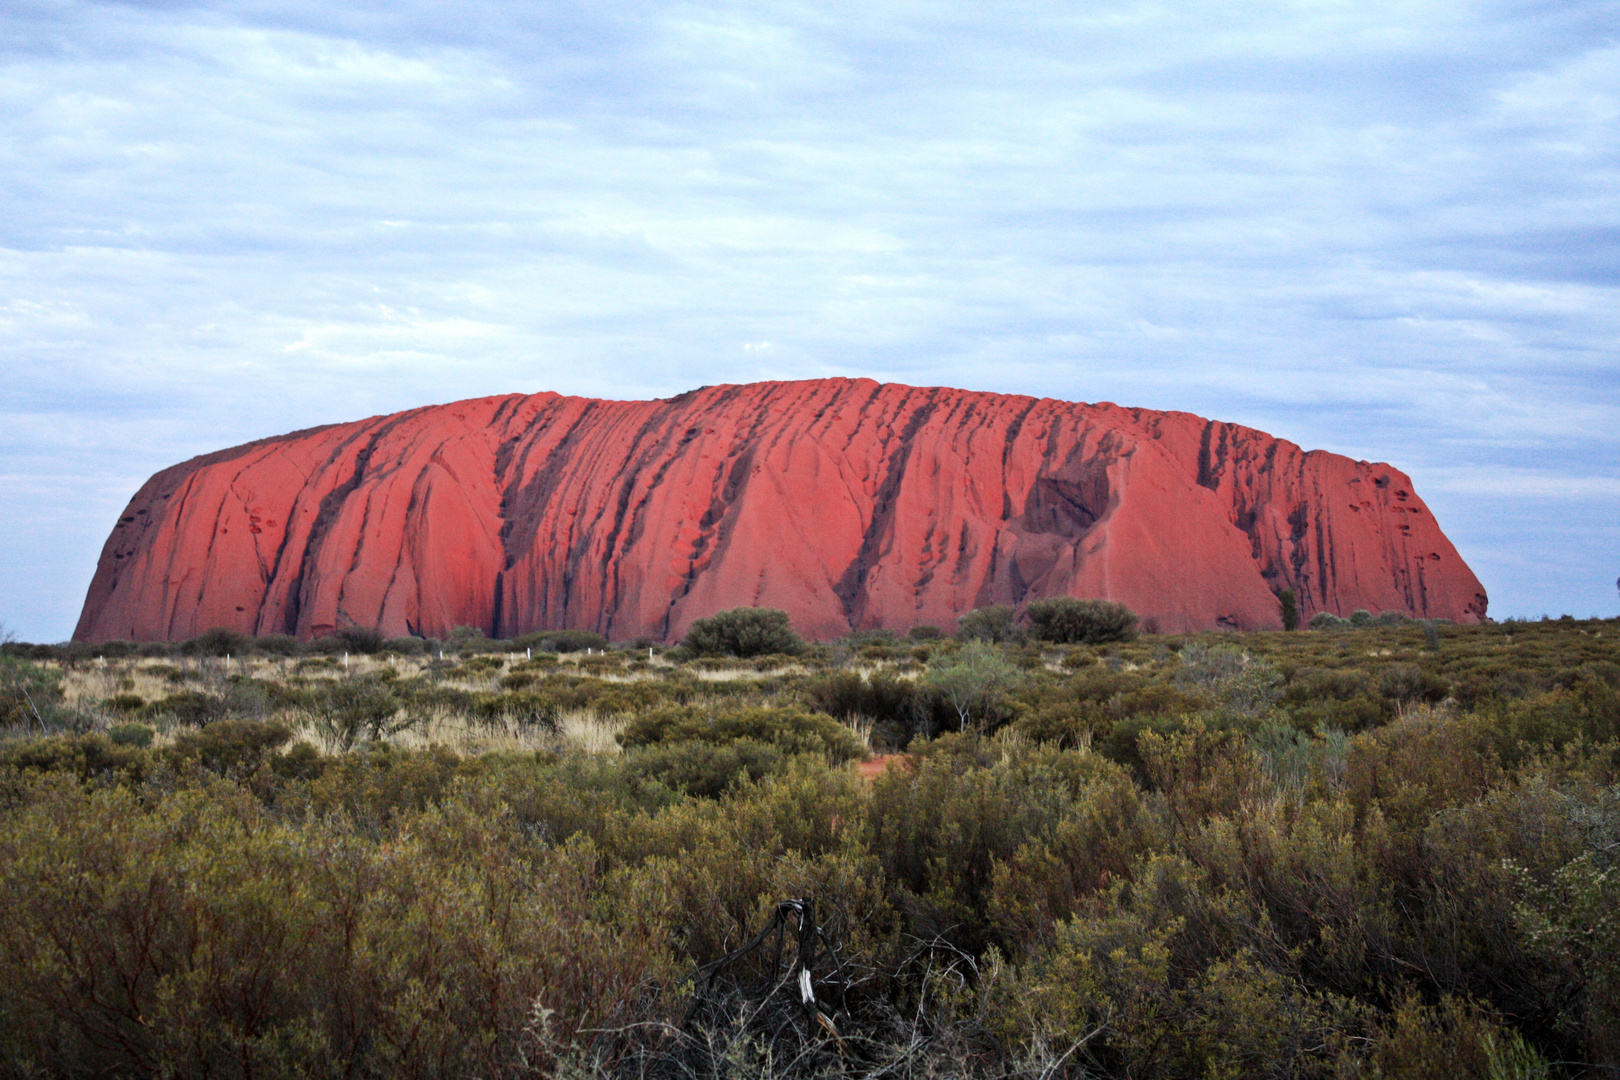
851, 505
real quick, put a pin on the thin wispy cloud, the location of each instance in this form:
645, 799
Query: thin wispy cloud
1387, 230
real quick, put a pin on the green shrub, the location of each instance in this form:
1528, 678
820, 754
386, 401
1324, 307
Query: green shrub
248, 946
480, 665
993, 624
471, 641
190, 707
136, 735
218, 642
743, 632
925, 632
976, 681
793, 731
1069, 620
950, 833
28, 694
1455, 1039
1068, 724
1123, 742
705, 770
361, 639
1326, 620
233, 748
1407, 684
861, 639
1288, 608
300, 761
88, 757
278, 645
522, 710
850, 697
1232, 679
349, 712
562, 641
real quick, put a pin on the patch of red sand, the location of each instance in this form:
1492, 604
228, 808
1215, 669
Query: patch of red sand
873, 767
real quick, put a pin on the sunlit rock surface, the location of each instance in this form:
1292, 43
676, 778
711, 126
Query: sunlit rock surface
848, 503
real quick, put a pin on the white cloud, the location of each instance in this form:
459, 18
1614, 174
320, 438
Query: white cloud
1386, 229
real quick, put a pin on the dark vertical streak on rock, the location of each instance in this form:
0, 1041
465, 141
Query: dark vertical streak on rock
526, 504
851, 585
1324, 575
1206, 476
495, 628
330, 506
1011, 440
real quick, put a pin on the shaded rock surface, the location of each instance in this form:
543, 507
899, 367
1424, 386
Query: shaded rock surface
850, 504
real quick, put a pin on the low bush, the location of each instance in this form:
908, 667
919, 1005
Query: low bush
743, 632
136, 735
88, 757
217, 642
794, 731
348, 712
561, 641
190, 707
976, 681
850, 697
359, 639
1069, 620
231, 748
29, 694
278, 645
705, 770
994, 624
1408, 684
520, 710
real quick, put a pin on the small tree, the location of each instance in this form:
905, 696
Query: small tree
1290, 609
988, 624
743, 632
976, 680
1069, 620
361, 639
219, 642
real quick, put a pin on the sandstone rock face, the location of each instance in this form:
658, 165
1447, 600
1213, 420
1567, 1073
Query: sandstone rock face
850, 504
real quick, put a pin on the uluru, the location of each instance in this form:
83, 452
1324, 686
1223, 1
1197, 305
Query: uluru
848, 503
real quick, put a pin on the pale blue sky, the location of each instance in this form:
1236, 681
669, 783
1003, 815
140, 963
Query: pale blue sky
1390, 230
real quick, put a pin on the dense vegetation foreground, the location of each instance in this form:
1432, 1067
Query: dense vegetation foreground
1365, 851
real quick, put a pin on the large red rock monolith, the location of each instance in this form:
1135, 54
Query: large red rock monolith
850, 504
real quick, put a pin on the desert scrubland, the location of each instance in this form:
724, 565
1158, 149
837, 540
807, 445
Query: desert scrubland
1385, 848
